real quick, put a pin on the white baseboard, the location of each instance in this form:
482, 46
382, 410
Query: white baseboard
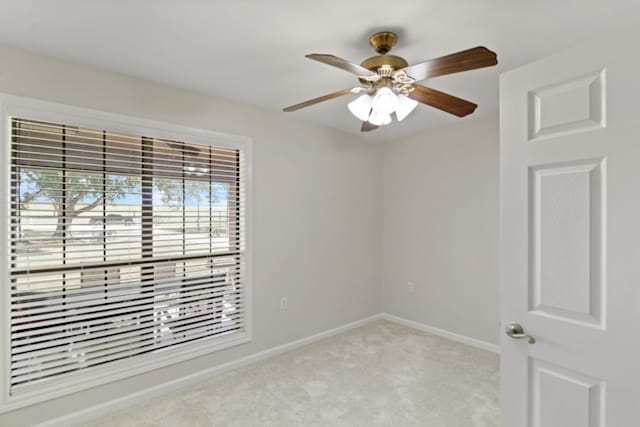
123, 402
443, 333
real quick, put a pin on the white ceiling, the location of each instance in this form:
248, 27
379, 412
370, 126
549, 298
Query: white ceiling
252, 51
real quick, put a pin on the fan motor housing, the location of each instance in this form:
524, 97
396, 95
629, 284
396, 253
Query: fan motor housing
382, 43
392, 61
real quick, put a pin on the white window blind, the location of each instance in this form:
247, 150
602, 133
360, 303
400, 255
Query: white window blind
121, 245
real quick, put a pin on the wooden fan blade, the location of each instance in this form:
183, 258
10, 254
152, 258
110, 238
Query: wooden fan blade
442, 101
466, 60
341, 63
368, 127
317, 100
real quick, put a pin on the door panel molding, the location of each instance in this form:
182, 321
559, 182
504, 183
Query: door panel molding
571, 106
562, 397
567, 241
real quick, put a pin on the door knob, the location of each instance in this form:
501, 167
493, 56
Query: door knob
515, 331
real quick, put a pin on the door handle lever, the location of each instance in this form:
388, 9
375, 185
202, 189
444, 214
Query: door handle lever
515, 331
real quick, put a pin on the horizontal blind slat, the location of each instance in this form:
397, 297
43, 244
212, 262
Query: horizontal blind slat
29, 330
50, 353
100, 311
57, 310
140, 347
136, 322
121, 289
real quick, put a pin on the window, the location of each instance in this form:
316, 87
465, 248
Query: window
121, 246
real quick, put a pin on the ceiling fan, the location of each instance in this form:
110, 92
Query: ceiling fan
390, 84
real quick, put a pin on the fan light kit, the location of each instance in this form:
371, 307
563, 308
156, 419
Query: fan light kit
389, 82
377, 109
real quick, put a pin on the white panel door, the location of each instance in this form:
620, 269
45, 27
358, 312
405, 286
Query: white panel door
570, 237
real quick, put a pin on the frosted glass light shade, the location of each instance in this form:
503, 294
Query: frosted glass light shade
405, 106
379, 119
361, 107
385, 101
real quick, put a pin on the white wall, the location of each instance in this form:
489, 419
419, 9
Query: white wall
441, 195
316, 210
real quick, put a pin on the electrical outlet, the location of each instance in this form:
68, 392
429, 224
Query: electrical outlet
411, 287
283, 303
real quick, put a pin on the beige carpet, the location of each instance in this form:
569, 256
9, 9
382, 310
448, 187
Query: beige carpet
381, 374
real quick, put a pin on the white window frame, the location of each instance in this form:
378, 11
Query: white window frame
27, 108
